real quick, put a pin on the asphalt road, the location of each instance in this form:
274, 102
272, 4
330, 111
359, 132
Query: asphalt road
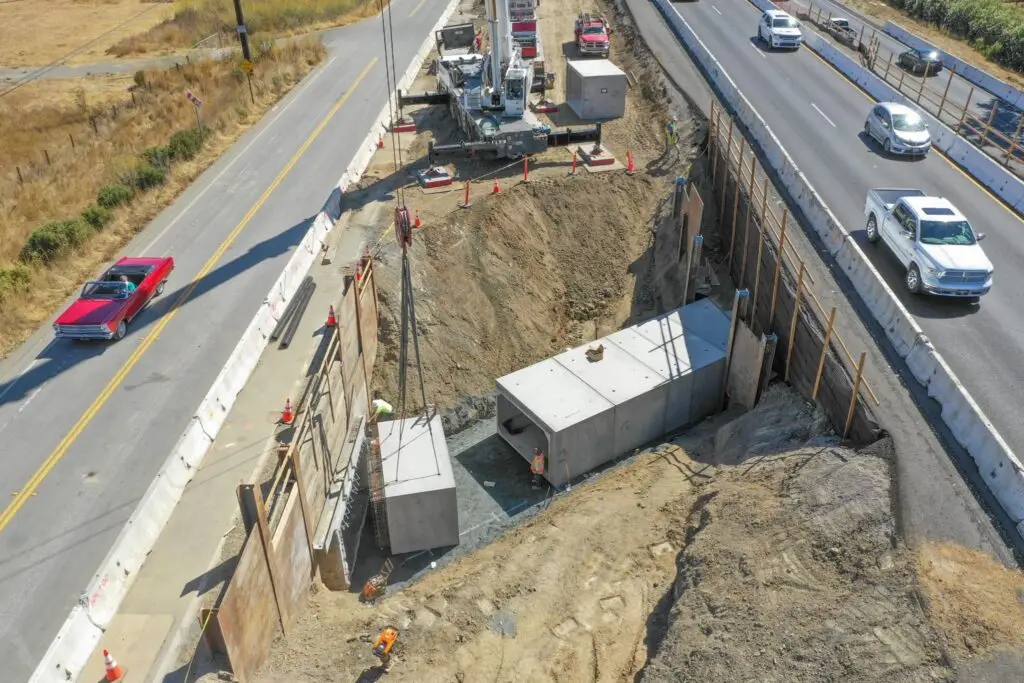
818, 115
50, 549
960, 91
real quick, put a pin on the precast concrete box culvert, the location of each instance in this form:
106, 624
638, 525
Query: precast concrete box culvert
595, 89
589, 405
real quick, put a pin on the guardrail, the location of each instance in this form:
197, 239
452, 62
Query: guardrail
999, 467
78, 636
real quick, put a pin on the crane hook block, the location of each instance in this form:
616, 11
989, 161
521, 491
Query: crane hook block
403, 228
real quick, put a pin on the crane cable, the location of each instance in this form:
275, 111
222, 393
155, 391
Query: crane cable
391, 76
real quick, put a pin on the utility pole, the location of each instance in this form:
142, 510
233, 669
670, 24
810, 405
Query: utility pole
243, 32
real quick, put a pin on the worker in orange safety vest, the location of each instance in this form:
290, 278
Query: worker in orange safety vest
537, 467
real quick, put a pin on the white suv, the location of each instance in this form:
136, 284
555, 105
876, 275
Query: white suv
779, 30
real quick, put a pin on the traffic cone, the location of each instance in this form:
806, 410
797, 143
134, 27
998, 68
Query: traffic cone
380, 142
497, 188
286, 414
331, 320
417, 223
630, 164
113, 669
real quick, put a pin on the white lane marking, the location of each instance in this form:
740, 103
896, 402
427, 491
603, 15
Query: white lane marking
757, 49
717, 10
21, 375
817, 109
32, 395
149, 247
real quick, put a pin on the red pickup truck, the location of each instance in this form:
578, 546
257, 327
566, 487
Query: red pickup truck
592, 35
106, 306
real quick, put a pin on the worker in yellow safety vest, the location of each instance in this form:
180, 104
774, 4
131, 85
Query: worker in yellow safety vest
537, 467
380, 408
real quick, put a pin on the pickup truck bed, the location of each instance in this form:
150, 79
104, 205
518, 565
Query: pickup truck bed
888, 197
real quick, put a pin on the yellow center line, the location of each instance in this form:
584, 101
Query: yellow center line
942, 155
28, 490
413, 13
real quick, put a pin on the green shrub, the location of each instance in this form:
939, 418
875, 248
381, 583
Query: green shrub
112, 196
143, 177
97, 216
53, 239
140, 78
185, 144
158, 157
994, 28
14, 280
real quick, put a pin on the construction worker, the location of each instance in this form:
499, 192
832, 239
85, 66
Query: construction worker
671, 134
380, 408
382, 648
537, 467
477, 39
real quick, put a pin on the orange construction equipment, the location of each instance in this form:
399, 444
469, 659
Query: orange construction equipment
382, 648
113, 669
497, 188
331, 320
286, 414
377, 585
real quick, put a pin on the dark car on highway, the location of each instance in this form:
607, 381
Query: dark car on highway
920, 62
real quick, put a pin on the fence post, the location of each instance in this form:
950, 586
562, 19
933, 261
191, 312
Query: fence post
792, 324
887, 67
991, 117
72, 138
963, 114
300, 487
920, 90
21, 181
853, 396
760, 251
778, 268
736, 198
860, 38
47, 155
824, 353
734, 322
944, 94
1013, 141
903, 74
725, 176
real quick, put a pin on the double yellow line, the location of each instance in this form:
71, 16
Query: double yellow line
29, 489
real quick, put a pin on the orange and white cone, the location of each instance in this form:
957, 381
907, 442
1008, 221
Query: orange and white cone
331, 320
497, 188
286, 414
114, 671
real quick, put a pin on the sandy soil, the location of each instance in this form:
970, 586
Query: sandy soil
43, 31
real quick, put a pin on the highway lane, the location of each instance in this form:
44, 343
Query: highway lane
51, 547
960, 90
819, 115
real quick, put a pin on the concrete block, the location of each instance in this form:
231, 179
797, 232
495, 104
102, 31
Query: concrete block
419, 485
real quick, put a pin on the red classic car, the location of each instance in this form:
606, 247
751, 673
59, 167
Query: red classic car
106, 306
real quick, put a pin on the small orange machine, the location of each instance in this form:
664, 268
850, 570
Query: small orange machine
382, 648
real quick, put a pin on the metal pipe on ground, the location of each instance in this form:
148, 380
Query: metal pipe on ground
288, 310
302, 298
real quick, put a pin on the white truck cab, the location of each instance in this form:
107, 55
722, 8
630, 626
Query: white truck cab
935, 243
779, 30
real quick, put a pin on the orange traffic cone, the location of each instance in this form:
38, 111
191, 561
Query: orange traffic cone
497, 188
380, 142
417, 223
331, 320
286, 414
113, 669
630, 164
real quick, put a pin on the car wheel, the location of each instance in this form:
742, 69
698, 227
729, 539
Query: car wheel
771, 42
122, 329
887, 146
867, 129
913, 280
872, 229
160, 288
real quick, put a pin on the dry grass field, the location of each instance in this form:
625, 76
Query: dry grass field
113, 121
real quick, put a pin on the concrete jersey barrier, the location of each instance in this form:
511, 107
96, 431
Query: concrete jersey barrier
78, 636
998, 465
973, 74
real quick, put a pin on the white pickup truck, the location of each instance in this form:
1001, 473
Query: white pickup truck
933, 240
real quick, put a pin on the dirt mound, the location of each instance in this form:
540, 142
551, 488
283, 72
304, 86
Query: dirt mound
792, 571
542, 266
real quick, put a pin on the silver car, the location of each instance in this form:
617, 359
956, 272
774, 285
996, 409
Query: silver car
899, 129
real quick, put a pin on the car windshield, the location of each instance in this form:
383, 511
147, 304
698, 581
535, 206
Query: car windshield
593, 30
908, 123
105, 290
784, 22
957, 233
